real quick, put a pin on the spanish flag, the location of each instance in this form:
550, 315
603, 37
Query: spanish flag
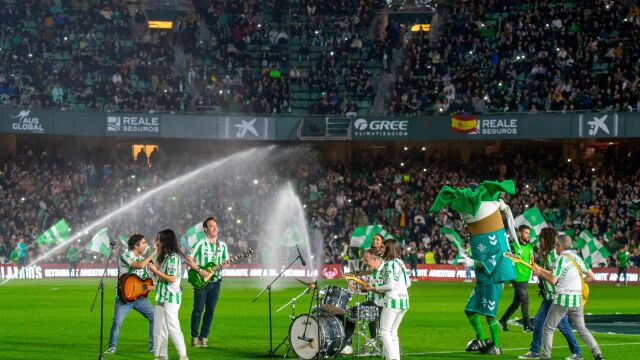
463, 123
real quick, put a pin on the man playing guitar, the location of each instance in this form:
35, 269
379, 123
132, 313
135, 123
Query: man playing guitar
206, 251
132, 261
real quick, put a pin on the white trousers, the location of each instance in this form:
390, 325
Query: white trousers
389, 322
166, 324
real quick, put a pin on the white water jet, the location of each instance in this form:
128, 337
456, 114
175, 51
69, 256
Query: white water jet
285, 227
251, 154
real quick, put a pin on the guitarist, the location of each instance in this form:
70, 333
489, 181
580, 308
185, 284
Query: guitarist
203, 252
132, 260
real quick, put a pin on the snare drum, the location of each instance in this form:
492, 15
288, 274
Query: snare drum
307, 342
368, 313
335, 300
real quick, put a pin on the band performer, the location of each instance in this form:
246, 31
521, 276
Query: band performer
168, 296
203, 252
132, 261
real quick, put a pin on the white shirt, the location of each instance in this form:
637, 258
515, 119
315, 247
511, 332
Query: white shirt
569, 282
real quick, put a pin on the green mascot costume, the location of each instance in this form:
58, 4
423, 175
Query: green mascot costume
480, 208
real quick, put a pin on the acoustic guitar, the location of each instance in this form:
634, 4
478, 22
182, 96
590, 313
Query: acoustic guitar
199, 282
131, 287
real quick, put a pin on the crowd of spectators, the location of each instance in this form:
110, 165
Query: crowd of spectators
241, 65
601, 194
525, 56
86, 55
492, 56
338, 30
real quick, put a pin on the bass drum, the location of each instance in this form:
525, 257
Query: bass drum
306, 344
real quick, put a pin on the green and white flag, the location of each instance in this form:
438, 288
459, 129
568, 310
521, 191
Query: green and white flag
100, 242
193, 235
57, 234
362, 235
456, 241
592, 251
123, 240
534, 219
292, 237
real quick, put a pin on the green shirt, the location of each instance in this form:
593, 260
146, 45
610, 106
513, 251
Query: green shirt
73, 254
395, 284
376, 279
623, 259
124, 264
14, 256
204, 252
167, 292
524, 252
549, 264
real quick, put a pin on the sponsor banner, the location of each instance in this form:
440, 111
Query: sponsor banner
328, 271
133, 124
499, 126
27, 121
600, 125
398, 129
247, 128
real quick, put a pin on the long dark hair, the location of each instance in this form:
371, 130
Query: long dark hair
168, 244
547, 243
392, 250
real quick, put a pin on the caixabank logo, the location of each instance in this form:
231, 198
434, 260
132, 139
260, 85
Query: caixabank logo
380, 128
598, 125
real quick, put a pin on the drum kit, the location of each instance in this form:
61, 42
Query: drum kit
320, 333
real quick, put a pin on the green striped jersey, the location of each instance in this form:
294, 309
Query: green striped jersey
376, 279
170, 292
569, 287
549, 264
204, 252
395, 284
124, 264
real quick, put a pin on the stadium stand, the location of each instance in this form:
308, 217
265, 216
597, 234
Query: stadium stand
598, 195
524, 56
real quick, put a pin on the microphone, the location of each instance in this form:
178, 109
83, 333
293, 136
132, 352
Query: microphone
304, 263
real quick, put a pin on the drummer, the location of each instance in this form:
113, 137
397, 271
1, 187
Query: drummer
373, 298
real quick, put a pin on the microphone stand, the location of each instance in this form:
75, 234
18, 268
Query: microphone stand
100, 290
271, 353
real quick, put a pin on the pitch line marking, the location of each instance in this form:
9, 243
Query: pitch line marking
513, 349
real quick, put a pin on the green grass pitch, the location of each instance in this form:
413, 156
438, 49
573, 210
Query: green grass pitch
50, 319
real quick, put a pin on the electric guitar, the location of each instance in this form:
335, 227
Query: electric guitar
131, 287
356, 279
516, 259
199, 282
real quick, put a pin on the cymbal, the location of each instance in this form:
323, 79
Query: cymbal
308, 285
359, 273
